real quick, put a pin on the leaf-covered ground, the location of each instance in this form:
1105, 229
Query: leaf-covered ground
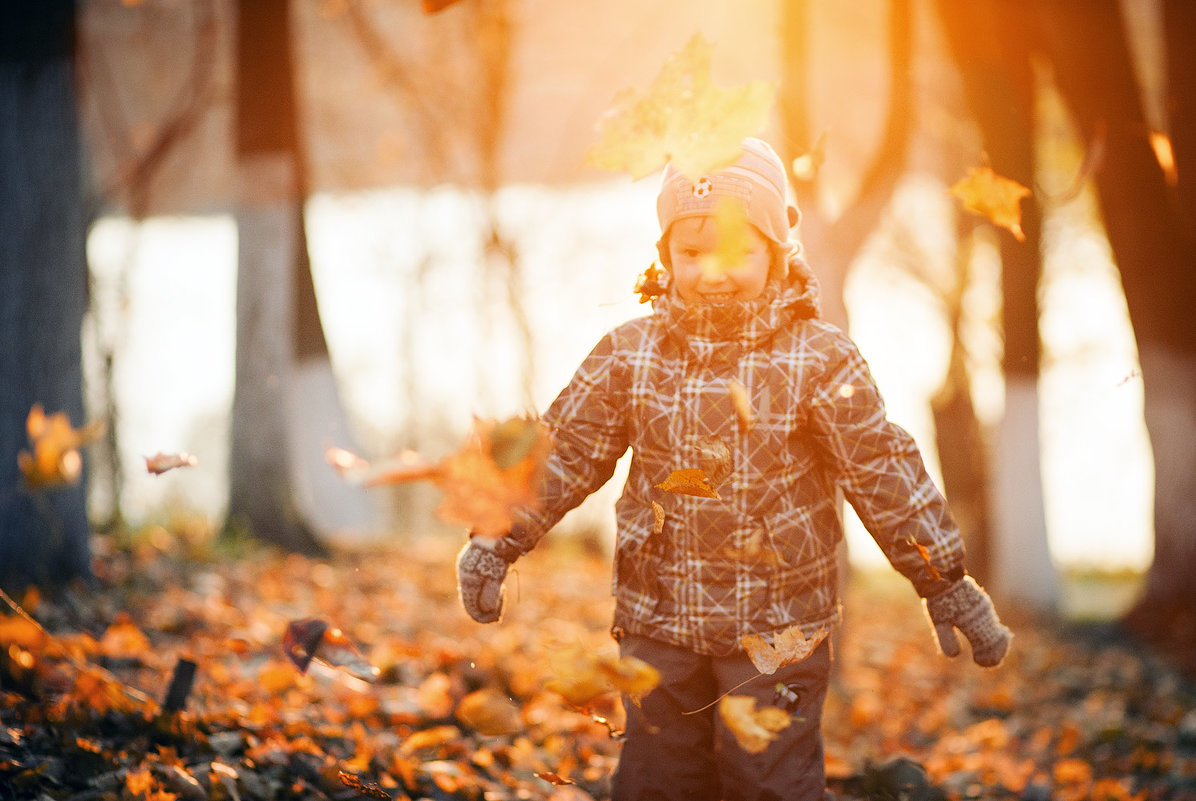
1074, 713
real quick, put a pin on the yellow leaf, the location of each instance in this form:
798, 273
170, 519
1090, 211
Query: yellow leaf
787, 646
682, 117
488, 712
582, 676
689, 481
753, 728
732, 239
993, 196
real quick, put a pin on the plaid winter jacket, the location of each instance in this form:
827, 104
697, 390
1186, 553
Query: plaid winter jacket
703, 572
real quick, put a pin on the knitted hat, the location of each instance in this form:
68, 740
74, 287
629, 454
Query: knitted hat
756, 179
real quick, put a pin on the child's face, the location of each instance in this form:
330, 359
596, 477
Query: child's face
692, 243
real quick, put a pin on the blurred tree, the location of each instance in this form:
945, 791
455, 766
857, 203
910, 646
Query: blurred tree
1146, 206
285, 398
992, 46
44, 534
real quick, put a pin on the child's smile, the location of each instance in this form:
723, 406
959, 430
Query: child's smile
692, 243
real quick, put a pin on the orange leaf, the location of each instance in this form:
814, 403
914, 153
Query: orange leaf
494, 475
689, 481
753, 728
993, 196
743, 406
582, 676
159, 463
787, 646
489, 712
54, 459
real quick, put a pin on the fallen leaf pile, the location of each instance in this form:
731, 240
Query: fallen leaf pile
401, 696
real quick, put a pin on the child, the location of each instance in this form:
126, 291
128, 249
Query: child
760, 558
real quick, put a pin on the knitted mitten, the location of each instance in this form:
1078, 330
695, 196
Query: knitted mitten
967, 607
480, 574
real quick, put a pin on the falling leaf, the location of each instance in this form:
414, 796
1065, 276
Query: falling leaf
480, 493
689, 481
160, 462
582, 676
993, 196
714, 459
743, 406
313, 639
658, 518
408, 466
54, 460
787, 646
753, 728
489, 712
553, 778
732, 242
683, 117
925, 554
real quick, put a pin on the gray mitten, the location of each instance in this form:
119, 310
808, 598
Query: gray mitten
480, 574
967, 607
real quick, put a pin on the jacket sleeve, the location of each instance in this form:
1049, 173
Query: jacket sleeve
589, 431
882, 474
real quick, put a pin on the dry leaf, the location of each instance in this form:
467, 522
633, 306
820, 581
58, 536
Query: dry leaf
313, 639
553, 778
787, 646
993, 196
753, 728
732, 241
54, 459
743, 406
658, 518
582, 676
489, 712
714, 459
689, 481
479, 492
683, 117
160, 462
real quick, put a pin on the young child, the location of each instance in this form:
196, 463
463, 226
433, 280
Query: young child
760, 558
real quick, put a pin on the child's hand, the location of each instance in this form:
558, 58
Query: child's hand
480, 574
967, 607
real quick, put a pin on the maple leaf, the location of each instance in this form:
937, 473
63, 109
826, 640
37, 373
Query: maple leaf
732, 239
753, 728
683, 117
54, 459
160, 462
689, 481
787, 646
993, 196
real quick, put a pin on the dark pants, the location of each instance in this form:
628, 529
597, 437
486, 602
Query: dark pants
669, 754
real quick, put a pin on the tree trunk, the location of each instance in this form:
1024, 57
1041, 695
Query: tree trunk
44, 535
1150, 229
276, 465
992, 46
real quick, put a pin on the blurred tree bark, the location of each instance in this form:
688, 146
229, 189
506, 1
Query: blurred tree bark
44, 534
282, 387
1149, 222
1147, 207
992, 46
